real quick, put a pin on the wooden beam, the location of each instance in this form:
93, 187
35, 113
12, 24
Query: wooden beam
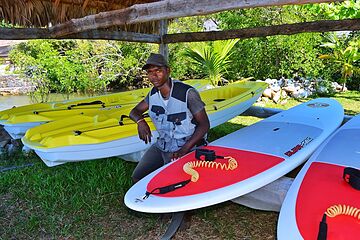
42, 33
23, 33
286, 29
166, 9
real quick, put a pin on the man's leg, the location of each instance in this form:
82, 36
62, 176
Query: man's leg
151, 161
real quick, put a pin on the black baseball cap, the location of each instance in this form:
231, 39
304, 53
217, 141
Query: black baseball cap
155, 59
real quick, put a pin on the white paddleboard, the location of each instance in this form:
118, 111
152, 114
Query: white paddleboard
320, 187
263, 151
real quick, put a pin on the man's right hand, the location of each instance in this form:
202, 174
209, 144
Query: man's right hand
144, 131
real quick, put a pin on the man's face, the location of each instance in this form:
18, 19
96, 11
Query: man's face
158, 75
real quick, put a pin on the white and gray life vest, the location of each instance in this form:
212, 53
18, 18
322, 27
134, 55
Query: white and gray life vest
173, 120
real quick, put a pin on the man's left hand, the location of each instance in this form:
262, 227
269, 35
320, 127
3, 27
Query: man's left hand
179, 153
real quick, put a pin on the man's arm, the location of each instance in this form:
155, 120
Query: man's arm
136, 114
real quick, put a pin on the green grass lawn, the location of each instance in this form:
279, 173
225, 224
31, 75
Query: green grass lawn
85, 200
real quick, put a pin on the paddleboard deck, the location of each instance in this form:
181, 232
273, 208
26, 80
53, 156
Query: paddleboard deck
319, 187
263, 152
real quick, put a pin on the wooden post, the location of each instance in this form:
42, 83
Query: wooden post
163, 47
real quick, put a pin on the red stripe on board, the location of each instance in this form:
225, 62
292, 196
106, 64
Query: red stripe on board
249, 164
322, 187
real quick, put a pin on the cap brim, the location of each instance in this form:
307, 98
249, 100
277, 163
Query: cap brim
146, 66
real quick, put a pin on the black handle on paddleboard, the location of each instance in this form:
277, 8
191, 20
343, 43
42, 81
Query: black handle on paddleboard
352, 177
208, 154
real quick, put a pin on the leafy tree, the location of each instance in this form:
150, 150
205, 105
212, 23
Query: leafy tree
180, 67
35, 59
344, 56
214, 59
81, 66
276, 56
336, 11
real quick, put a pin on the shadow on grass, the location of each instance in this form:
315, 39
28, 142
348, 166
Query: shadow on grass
351, 112
223, 130
351, 95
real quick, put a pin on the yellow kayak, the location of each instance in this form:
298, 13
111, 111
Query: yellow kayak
18, 120
89, 137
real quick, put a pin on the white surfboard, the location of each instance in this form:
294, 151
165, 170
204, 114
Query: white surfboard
263, 152
320, 187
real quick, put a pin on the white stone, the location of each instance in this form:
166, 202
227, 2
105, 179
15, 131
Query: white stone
289, 88
276, 97
267, 93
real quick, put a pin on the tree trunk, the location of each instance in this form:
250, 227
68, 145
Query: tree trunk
343, 86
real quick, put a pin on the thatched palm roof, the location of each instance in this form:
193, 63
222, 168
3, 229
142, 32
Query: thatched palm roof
44, 13
86, 19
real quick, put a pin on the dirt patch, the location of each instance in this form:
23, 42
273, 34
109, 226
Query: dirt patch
224, 221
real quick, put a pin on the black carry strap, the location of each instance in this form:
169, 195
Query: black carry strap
322, 234
121, 121
352, 176
71, 107
86, 104
166, 189
78, 132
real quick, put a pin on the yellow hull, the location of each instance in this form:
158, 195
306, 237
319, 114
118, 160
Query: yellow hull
47, 112
105, 127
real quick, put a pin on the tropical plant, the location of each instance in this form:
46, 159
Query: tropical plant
336, 10
343, 55
214, 59
180, 67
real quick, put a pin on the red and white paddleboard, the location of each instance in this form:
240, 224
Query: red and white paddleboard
246, 160
321, 187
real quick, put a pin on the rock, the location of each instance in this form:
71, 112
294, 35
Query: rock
275, 88
302, 93
270, 81
284, 94
5, 93
265, 99
282, 82
15, 84
276, 97
322, 89
267, 93
289, 89
283, 102
3, 143
26, 150
3, 134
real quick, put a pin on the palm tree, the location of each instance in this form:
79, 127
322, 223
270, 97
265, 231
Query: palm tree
214, 60
344, 56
